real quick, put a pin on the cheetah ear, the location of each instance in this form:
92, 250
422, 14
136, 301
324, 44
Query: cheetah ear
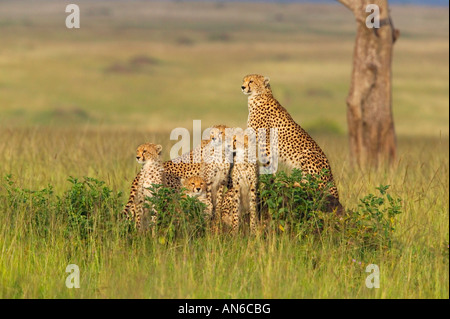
266, 81
159, 149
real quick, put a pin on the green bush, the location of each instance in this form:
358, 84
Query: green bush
39, 206
177, 215
298, 208
87, 208
89, 205
372, 224
293, 205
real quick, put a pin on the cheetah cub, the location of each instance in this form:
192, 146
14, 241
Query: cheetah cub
241, 196
216, 165
196, 187
152, 172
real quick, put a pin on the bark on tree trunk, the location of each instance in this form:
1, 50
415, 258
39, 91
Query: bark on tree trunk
369, 104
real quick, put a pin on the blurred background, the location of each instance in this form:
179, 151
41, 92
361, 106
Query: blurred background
159, 65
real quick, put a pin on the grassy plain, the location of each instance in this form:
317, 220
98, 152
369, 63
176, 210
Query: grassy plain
78, 102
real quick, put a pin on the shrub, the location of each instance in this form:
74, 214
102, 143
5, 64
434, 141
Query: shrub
177, 215
37, 205
298, 208
293, 205
89, 205
372, 224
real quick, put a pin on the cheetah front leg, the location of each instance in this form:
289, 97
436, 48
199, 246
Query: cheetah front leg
236, 212
264, 147
253, 209
138, 214
220, 194
213, 207
214, 188
209, 192
268, 150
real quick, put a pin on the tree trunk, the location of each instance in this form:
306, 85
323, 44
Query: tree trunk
369, 103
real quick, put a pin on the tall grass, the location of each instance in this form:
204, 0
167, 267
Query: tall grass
32, 264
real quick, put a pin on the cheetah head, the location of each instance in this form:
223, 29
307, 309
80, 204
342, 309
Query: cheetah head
217, 131
195, 186
217, 134
148, 151
255, 84
218, 142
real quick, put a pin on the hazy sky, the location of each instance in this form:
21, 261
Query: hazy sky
421, 2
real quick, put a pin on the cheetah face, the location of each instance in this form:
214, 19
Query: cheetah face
148, 151
195, 186
219, 143
255, 84
217, 135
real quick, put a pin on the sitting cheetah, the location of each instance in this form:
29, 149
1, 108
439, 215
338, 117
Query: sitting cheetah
188, 164
216, 165
152, 172
295, 147
242, 193
196, 187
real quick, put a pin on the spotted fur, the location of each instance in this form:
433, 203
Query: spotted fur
296, 147
216, 165
152, 172
242, 195
196, 187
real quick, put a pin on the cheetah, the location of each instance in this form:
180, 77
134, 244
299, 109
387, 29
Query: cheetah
196, 187
152, 172
242, 193
216, 165
295, 147
187, 165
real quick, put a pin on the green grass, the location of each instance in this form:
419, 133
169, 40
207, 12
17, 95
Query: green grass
216, 267
78, 103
